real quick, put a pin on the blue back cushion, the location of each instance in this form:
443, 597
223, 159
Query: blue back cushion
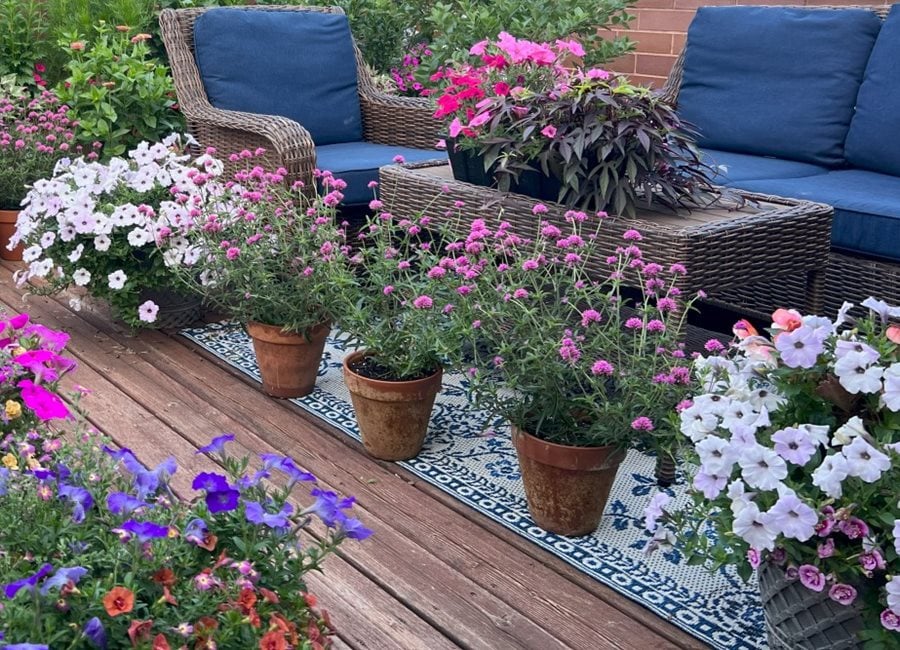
775, 81
295, 64
872, 140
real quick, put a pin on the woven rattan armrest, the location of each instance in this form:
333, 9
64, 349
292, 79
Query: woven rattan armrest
407, 121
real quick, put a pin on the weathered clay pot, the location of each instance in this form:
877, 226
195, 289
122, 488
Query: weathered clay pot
7, 229
288, 361
565, 487
392, 415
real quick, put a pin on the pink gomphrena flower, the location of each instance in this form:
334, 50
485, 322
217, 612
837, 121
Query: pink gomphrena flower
634, 323
642, 423
539, 208
632, 235
602, 367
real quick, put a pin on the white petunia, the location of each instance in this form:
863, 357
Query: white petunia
81, 277
762, 468
40, 268
842, 348
138, 237
48, 238
711, 485
896, 534
791, 517
147, 311
794, 445
739, 413
848, 431
891, 396
817, 432
75, 303
830, 474
750, 525
766, 398
117, 280
893, 592
856, 375
716, 455
742, 437
32, 253
75, 255
102, 243
68, 233
864, 461
696, 422
881, 308
715, 404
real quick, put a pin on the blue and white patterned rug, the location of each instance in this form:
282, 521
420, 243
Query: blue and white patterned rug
479, 468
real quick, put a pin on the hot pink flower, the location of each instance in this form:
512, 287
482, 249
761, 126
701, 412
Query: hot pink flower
642, 423
423, 302
549, 131
46, 405
890, 620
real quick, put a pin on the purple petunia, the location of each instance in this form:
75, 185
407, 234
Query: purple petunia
223, 500
94, 632
216, 445
210, 482
288, 466
353, 528
328, 506
145, 530
196, 531
256, 514
62, 577
81, 499
802, 347
13, 588
120, 503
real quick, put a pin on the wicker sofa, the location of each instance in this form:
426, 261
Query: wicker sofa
290, 80
803, 103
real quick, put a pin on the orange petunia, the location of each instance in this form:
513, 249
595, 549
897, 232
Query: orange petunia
268, 595
119, 600
273, 640
164, 577
139, 631
246, 600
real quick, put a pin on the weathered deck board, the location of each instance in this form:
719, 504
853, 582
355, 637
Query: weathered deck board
435, 575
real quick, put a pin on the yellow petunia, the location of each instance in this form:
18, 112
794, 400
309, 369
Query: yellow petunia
10, 461
13, 409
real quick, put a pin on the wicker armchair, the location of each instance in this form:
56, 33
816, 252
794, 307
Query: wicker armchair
387, 119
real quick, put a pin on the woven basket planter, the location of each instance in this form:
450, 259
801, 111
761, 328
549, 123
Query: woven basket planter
176, 310
800, 619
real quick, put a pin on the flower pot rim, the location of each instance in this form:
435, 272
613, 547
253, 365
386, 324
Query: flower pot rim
571, 457
382, 383
271, 332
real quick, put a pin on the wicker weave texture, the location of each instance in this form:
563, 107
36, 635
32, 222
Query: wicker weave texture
800, 619
387, 119
783, 237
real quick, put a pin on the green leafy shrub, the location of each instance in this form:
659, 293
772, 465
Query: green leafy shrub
22, 41
120, 94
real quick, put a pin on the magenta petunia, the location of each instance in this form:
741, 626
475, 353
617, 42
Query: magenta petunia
811, 577
45, 404
842, 594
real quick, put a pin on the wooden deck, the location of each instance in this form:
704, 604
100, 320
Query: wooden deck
435, 575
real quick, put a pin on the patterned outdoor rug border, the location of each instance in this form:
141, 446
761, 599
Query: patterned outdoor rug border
480, 469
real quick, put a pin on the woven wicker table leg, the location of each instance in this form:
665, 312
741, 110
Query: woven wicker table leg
815, 291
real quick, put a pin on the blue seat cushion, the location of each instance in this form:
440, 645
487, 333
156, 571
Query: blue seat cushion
871, 141
866, 207
730, 168
775, 81
296, 64
357, 163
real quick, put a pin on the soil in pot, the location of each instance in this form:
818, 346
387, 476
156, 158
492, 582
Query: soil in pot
7, 229
566, 487
288, 361
392, 416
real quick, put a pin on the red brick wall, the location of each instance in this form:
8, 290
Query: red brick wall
659, 27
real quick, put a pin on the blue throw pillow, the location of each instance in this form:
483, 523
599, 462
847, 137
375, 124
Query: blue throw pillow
296, 64
872, 140
775, 81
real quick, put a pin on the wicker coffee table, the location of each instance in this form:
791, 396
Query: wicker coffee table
726, 251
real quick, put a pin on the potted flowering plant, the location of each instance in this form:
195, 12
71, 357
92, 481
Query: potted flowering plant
34, 133
273, 258
129, 565
398, 313
797, 447
581, 370
113, 229
528, 114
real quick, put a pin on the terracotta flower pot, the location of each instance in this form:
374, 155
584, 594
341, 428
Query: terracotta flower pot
392, 415
288, 362
7, 229
566, 487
